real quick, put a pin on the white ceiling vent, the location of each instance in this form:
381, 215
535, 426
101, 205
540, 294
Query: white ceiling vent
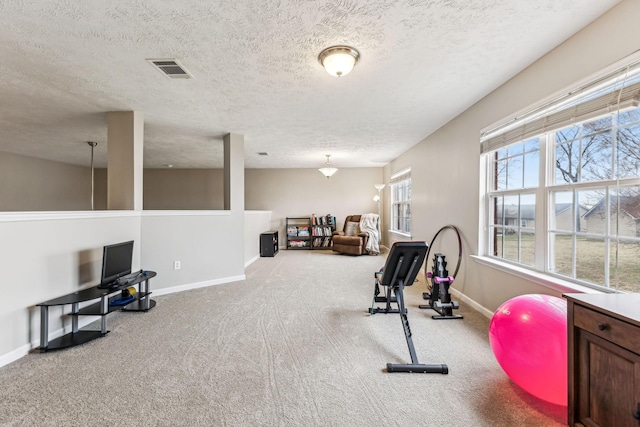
170, 68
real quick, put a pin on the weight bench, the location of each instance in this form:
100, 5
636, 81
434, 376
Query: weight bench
400, 270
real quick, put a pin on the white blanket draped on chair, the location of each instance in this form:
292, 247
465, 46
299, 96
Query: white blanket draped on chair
369, 224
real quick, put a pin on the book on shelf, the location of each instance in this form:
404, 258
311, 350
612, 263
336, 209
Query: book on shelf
321, 231
292, 231
322, 242
328, 220
303, 230
324, 220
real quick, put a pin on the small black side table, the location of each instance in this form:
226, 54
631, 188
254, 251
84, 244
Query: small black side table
269, 243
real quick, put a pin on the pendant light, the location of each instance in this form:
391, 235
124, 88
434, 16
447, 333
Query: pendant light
328, 170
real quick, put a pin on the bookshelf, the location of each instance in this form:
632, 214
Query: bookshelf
298, 232
322, 228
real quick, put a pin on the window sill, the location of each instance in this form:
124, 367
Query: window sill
400, 233
550, 282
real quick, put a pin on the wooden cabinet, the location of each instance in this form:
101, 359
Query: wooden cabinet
604, 359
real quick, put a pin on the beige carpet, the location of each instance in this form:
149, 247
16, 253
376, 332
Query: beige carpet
293, 345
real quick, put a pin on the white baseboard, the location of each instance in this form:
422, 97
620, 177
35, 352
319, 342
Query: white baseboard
475, 305
206, 283
14, 355
251, 261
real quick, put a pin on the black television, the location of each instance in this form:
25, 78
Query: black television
116, 262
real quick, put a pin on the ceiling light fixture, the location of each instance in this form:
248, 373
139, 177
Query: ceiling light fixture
339, 60
328, 170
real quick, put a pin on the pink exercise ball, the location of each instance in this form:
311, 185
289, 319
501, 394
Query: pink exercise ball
528, 336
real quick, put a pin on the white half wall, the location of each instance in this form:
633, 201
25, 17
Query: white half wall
50, 254
208, 244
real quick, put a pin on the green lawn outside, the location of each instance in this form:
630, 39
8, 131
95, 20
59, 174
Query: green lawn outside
590, 259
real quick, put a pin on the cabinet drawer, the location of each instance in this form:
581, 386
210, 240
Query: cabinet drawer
614, 330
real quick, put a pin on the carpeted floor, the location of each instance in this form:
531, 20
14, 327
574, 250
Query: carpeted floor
292, 345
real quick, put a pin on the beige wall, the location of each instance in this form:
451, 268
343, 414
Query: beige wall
31, 184
183, 189
445, 165
100, 189
302, 192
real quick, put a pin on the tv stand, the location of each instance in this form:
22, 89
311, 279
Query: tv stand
141, 302
110, 285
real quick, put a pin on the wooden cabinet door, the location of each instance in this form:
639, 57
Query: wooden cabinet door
609, 383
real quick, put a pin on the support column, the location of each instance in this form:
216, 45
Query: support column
125, 143
234, 172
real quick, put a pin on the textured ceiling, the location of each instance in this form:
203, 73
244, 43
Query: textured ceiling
65, 63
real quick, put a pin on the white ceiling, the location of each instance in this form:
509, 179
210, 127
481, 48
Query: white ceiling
65, 63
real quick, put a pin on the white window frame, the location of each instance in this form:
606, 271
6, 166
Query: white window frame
542, 272
401, 225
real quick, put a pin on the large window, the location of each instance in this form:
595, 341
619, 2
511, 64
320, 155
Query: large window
401, 202
563, 185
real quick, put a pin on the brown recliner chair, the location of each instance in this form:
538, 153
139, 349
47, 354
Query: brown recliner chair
350, 241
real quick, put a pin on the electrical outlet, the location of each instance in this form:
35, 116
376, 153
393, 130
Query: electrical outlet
176, 265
